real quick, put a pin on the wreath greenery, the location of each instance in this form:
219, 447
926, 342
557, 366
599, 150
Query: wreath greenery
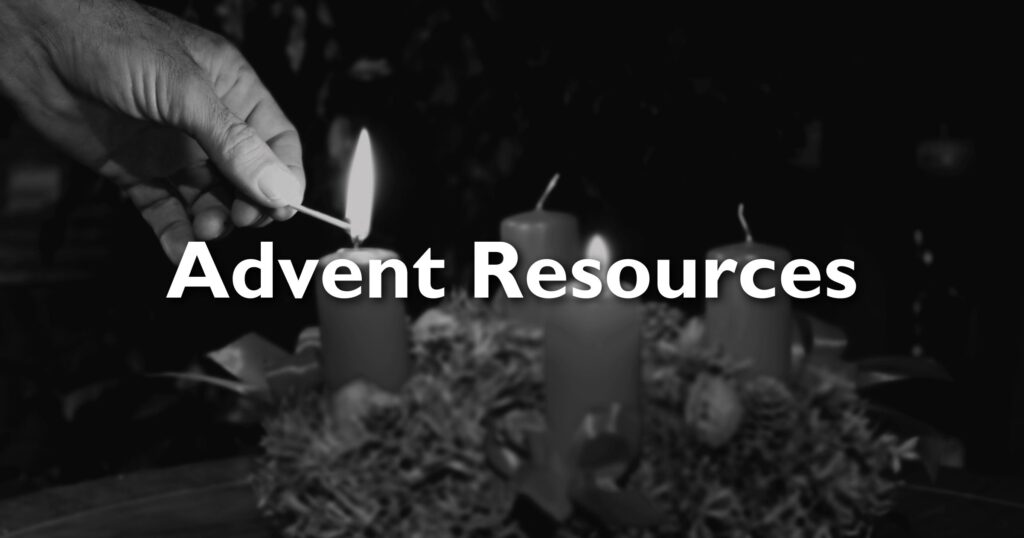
723, 454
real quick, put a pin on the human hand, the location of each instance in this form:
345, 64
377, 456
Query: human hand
165, 109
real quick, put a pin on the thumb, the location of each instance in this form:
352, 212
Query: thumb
237, 150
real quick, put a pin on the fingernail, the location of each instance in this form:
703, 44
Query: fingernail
174, 249
283, 213
280, 186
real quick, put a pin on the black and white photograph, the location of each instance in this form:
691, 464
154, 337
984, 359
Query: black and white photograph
495, 268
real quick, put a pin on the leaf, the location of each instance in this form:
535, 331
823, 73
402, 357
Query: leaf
604, 452
154, 406
889, 369
233, 386
720, 504
533, 471
246, 358
902, 423
933, 447
505, 460
546, 483
819, 337
76, 399
606, 438
817, 342
261, 367
618, 508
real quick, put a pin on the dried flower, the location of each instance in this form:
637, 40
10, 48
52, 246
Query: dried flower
713, 409
434, 324
692, 334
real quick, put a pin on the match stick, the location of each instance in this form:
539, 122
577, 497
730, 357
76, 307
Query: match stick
322, 216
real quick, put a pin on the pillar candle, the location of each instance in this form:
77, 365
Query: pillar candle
363, 338
536, 235
752, 329
592, 359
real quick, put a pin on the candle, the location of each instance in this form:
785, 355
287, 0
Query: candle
539, 234
758, 330
592, 360
363, 338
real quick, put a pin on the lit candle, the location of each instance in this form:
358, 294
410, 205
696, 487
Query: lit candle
757, 330
363, 338
539, 234
592, 359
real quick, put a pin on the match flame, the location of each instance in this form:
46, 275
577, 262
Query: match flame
359, 196
597, 249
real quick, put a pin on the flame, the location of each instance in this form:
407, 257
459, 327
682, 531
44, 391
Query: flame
359, 196
597, 249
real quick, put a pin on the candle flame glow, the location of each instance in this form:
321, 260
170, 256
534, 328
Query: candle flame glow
597, 249
359, 195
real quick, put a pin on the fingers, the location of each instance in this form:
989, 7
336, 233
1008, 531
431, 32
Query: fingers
249, 99
242, 92
204, 197
287, 147
244, 213
166, 216
207, 198
238, 150
210, 219
228, 110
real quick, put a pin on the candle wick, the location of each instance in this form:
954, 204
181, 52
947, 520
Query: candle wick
547, 191
356, 242
743, 223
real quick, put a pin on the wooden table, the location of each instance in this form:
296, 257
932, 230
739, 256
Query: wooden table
203, 500
214, 500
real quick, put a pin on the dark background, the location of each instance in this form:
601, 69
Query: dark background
891, 142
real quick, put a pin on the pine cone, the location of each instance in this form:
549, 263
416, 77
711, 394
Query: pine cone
662, 322
771, 410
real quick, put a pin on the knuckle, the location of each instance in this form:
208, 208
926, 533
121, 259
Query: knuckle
219, 46
170, 229
192, 100
245, 74
228, 51
240, 144
289, 140
191, 81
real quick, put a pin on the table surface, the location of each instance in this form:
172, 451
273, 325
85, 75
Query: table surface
214, 499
